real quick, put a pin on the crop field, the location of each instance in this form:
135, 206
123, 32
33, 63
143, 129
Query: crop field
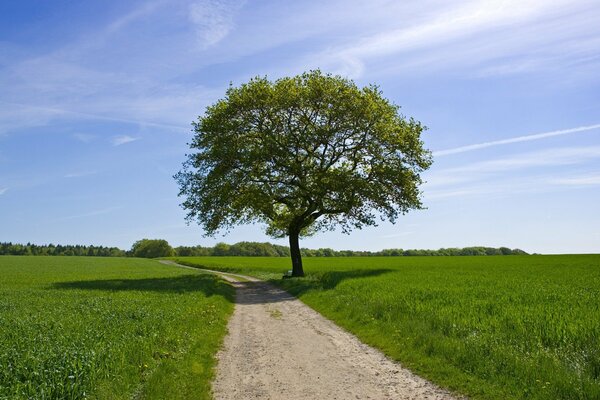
108, 328
488, 327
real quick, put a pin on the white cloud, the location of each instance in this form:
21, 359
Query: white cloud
473, 32
213, 19
511, 186
483, 170
396, 235
15, 116
137, 13
531, 172
90, 78
585, 180
495, 188
80, 174
3, 190
123, 139
517, 139
84, 137
90, 214
167, 108
444, 194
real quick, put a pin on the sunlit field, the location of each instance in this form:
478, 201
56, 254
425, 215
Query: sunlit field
108, 328
488, 327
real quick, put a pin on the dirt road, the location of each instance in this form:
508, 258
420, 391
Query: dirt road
279, 348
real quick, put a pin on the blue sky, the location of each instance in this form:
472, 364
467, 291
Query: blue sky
97, 98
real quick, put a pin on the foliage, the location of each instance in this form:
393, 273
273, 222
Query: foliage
488, 327
254, 249
245, 249
29, 249
302, 154
465, 251
108, 328
152, 248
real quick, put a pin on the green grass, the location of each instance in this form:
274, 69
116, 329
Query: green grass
489, 327
108, 328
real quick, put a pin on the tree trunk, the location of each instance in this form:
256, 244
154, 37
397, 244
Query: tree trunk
295, 253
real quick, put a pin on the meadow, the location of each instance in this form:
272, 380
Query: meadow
108, 328
523, 327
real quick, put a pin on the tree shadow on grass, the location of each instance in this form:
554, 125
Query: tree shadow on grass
209, 285
269, 292
326, 280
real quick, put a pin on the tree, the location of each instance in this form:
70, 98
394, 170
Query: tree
152, 248
221, 249
302, 154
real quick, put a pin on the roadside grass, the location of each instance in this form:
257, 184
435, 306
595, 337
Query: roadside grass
525, 327
108, 328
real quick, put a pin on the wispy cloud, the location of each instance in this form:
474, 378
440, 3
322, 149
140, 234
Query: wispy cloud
147, 8
483, 170
498, 188
585, 180
472, 32
80, 174
55, 112
464, 20
511, 186
123, 139
445, 194
214, 19
84, 137
87, 77
90, 214
530, 172
93, 80
3, 190
395, 235
518, 139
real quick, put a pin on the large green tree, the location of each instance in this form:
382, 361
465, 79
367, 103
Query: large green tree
302, 154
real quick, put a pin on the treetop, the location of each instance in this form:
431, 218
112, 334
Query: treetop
302, 153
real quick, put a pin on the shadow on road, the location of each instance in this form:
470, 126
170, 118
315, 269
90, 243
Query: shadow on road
259, 293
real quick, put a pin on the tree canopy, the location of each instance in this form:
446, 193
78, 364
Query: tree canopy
152, 248
302, 154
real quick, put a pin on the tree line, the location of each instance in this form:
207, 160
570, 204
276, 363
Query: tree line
151, 248
273, 250
29, 249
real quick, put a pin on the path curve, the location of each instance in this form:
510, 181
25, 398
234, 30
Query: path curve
279, 348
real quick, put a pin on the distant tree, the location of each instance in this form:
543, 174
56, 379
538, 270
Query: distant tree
152, 248
505, 251
302, 154
221, 249
327, 252
184, 251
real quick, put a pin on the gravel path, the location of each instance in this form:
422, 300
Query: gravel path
279, 348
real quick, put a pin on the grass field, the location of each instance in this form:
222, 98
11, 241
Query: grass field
108, 328
488, 327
